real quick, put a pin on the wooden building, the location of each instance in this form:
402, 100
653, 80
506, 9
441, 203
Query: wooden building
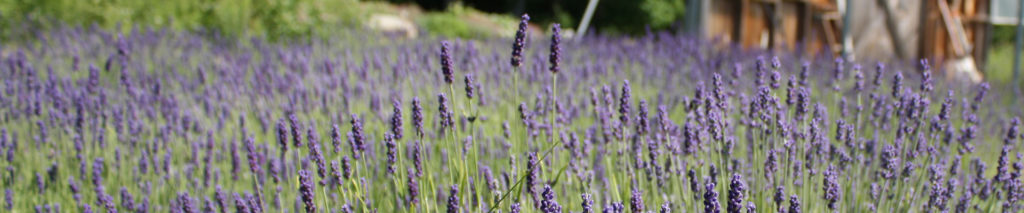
951, 33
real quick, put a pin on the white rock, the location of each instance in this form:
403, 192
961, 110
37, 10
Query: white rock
963, 69
393, 25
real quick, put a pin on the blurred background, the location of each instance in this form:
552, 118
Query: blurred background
968, 39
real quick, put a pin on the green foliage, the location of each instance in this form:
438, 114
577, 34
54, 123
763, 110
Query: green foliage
463, 22
999, 67
613, 16
1003, 34
662, 13
448, 25
273, 19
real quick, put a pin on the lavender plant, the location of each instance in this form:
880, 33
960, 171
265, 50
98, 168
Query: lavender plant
157, 120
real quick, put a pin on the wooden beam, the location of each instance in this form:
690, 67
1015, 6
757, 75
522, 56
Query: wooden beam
952, 29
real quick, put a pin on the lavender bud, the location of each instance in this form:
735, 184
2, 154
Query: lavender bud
207, 205
775, 79
1012, 132
890, 160
588, 203
446, 63
73, 187
710, 197
417, 159
520, 42
926, 76
779, 197
127, 201
1002, 170
253, 157
982, 91
549, 204
8, 199
831, 186
794, 204
396, 120
514, 208
306, 190
805, 72
453, 199
186, 203
389, 143
414, 189
858, 77
556, 50
40, 183
897, 84
356, 136
636, 202
736, 193
879, 72
336, 138
282, 136
531, 172
445, 115
469, 86
218, 197
240, 204
346, 170
624, 103
417, 116
336, 172
642, 125
616, 207
97, 172
296, 138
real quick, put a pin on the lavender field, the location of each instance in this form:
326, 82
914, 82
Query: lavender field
167, 121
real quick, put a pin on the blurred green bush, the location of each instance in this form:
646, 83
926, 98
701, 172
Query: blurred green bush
274, 19
293, 19
611, 16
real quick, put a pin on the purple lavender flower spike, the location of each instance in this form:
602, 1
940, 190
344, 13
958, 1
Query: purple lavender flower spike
186, 203
549, 204
414, 189
831, 187
396, 121
588, 203
417, 116
282, 136
520, 42
636, 202
710, 197
296, 138
307, 191
453, 200
446, 63
794, 204
556, 50
392, 158
624, 102
736, 193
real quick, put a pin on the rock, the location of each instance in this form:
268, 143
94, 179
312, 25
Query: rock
391, 24
963, 68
